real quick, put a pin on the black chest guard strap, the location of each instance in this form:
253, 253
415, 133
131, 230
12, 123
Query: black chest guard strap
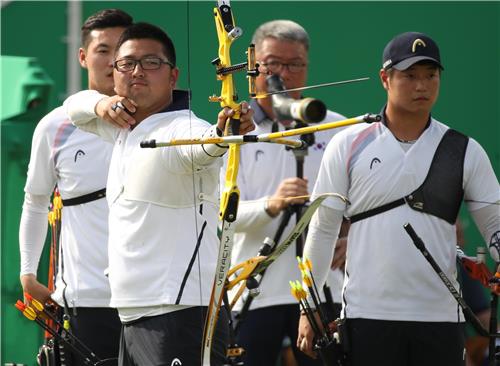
441, 193
85, 198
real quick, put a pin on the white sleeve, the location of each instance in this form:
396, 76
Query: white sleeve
320, 242
42, 176
487, 220
480, 182
199, 155
32, 231
80, 108
213, 149
332, 176
482, 194
253, 214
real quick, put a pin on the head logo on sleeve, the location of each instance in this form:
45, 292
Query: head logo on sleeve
78, 154
257, 154
374, 160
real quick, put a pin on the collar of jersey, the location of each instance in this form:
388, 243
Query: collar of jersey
382, 113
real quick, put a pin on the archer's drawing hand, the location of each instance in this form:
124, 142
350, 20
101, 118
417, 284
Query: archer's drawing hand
117, 110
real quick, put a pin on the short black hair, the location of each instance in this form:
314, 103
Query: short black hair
107, 18
143, 30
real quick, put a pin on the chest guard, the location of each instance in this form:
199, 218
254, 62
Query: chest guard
441, 193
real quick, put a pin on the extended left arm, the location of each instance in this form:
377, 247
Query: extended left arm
487, 220
206, 153
482, 194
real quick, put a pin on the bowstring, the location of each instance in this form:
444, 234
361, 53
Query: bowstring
193, 178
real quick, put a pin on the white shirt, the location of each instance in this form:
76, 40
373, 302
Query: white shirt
262, 168
154, 258
77, 162
386, 276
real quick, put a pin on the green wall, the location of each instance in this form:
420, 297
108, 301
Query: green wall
347, 42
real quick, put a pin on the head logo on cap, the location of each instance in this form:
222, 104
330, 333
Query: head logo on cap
417, 42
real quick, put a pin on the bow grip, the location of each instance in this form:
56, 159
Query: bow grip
232, 126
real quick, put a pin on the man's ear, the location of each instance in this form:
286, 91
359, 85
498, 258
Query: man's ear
384, 77
82, 57
174, 75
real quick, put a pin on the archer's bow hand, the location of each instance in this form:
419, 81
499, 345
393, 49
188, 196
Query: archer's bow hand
246, 118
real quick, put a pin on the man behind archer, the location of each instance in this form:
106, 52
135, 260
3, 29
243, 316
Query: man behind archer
268, 183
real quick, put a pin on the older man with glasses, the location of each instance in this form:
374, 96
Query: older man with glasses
281, 48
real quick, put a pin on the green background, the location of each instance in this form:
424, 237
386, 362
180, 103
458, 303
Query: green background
347, 42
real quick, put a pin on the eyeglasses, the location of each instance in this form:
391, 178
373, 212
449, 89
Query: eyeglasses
147, 63
276, 66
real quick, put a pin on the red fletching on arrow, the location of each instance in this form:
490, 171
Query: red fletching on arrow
20, 305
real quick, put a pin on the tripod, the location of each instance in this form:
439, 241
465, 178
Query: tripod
294, 209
